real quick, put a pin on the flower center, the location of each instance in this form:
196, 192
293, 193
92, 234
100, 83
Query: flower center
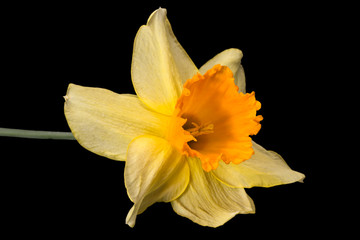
201, 129
212, 121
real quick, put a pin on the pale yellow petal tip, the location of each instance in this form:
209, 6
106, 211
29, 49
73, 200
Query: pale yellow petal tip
67, 97
131, 218
70, 86
161, 11
235, 52
301, 179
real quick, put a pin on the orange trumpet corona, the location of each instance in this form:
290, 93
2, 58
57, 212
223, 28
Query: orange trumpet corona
213, 121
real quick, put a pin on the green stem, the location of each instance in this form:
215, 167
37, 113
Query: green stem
10, 132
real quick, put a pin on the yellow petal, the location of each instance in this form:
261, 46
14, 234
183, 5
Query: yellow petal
232, 59
209, 202
159, 65
105, 122
263, 169
154, 172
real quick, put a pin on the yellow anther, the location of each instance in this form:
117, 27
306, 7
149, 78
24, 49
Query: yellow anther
201, 129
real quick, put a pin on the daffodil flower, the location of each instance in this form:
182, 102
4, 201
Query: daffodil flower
185, 135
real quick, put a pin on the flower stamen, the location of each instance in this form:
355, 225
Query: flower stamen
201, 129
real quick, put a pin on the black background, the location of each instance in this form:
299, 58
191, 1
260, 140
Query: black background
57, 188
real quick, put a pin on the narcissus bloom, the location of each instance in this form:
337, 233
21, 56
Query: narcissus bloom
185, 136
